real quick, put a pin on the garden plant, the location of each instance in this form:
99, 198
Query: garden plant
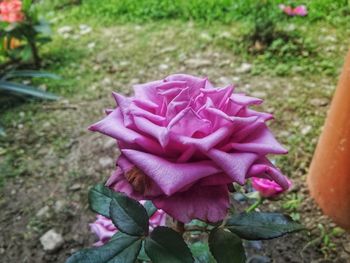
22, 31
184, 146
21, 34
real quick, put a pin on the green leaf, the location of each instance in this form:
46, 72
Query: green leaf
150, 208
201, 253
142, 255
260, 226
43, 28
26, 4
166, 245
129, 216
25, 90
120, 249
2, 131
30, 74
226, 247
100, 198
25, 53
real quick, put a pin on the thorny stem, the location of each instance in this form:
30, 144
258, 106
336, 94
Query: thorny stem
255, 205
35, 52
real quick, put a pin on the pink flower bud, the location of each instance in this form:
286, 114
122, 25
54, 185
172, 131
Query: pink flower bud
300, 10
104, 228
268, 188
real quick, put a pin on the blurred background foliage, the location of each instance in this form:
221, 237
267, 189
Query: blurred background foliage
224, 11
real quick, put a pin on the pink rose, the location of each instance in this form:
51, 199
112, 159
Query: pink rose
104, 228
287, 9
11, 11
300, 10
268, 188
183, 141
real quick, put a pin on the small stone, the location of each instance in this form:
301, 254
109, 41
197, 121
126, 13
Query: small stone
182, 57
124, 63
106, 81
225, 81
66, 36
59, 206
110, 143
43, 87
205, 36
291, 27
46, 125
75, 187
84, 29
51, 241
244, 68
167, 50
225, 34
106, 162
64, 30
319, 102
306, 130
236, 79
330, 39
163, 67
247, 86
91, 45
197, 63
134, 81
43, 212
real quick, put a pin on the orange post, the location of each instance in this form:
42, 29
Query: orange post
329, 175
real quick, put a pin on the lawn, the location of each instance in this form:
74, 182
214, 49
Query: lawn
48, 159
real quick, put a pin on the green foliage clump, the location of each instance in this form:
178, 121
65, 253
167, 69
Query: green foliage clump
20, 40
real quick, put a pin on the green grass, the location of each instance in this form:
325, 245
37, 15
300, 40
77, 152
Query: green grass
224, 11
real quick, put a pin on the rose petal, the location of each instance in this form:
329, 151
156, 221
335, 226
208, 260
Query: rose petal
207, 203
235, 165
158, 132
208, 142
170, 177
245, 100
180, 123
148, 91
112, 125
194, 83
265, 169
259, 141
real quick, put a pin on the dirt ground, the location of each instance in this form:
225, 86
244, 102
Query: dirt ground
57, 159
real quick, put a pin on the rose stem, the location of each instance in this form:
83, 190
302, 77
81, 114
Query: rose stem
255, 205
